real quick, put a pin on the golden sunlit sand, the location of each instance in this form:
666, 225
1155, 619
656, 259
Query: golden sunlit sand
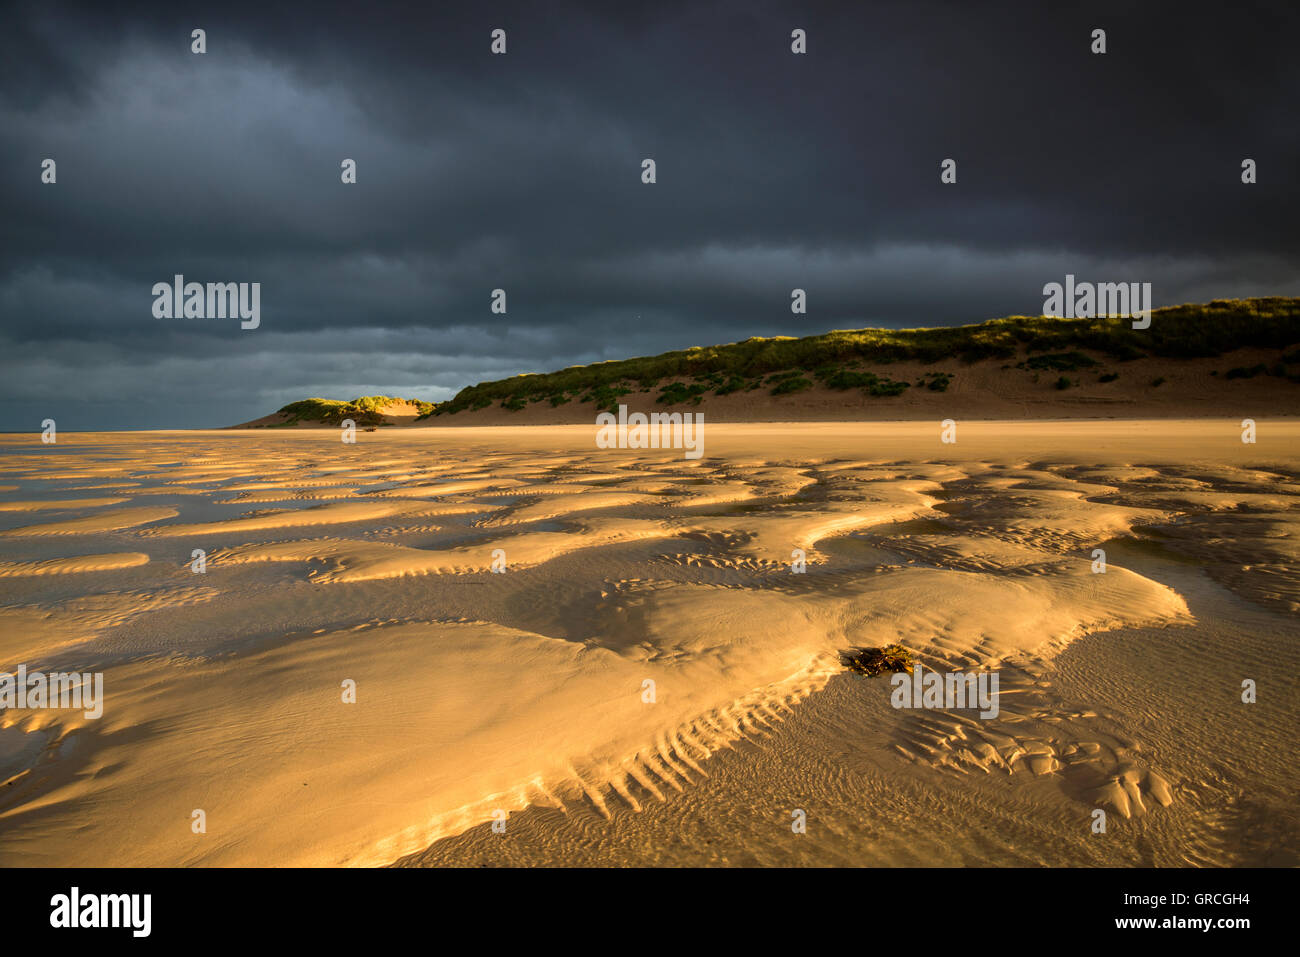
608, 650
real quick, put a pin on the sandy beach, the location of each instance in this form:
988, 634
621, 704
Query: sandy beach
608, 654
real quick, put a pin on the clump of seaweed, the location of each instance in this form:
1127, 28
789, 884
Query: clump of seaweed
876, 661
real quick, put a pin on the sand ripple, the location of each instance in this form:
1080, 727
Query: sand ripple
574, 630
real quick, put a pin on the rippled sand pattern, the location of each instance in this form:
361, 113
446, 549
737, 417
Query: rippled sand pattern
602, 647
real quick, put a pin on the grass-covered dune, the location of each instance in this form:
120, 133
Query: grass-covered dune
1020, 365
786, 365
366, 411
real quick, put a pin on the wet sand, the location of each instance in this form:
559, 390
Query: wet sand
521, 696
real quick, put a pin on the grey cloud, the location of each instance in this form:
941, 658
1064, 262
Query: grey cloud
522, 172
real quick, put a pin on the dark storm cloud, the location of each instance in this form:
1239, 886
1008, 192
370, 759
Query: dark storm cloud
522, 172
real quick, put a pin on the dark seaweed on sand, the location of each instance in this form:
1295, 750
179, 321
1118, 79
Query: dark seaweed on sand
875, 661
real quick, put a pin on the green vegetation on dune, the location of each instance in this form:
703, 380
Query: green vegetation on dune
1059, 361
1187, 331
373, 403
1277, 369
868, 382
845, 360
792, 384
678, 393
364, 411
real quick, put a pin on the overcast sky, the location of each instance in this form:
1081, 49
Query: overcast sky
523, 171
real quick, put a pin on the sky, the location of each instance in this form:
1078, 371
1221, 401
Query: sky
523, 172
